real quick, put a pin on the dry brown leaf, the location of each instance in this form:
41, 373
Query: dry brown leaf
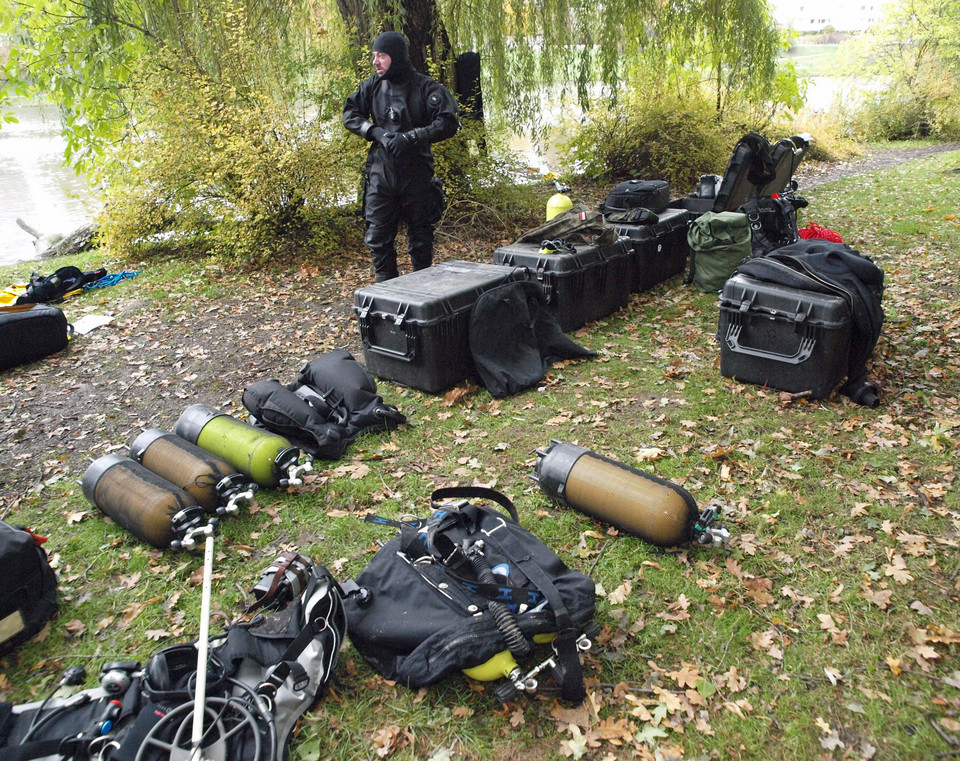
897, 569
75, 626
879, 597
687, 676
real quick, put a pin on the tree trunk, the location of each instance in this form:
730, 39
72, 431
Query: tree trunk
429, 43
79, 240
352, 12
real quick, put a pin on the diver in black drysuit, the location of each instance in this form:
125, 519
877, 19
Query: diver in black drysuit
401, 112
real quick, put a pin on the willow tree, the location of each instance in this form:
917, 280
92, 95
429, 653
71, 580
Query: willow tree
206, 116
578, 46
729, 46
912, 57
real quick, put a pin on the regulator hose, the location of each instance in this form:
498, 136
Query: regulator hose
502, 615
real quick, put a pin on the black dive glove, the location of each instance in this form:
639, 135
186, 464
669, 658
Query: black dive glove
402, 144
380, 135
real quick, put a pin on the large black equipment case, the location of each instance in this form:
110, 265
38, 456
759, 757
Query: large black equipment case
415, 328
31, 333
739, 182
660, 250
785, 338
580, 286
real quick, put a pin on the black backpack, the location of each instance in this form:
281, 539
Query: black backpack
52, 289
28, 586
462, 586
773, 221
334, 401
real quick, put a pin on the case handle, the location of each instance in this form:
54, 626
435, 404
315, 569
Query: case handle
402, 356
802, 354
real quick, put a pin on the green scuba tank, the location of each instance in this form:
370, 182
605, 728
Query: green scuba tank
214, 483
146, 505
269, 459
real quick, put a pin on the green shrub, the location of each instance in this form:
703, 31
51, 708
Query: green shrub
889, 116
673, 139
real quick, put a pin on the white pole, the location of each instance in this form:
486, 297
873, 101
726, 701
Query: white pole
202, 647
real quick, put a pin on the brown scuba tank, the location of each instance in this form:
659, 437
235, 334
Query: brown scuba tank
637, 503
145, 504
209, 479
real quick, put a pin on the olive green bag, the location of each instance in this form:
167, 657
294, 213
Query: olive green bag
719, 241
577, 226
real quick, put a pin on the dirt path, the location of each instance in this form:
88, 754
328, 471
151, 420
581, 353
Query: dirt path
164, 353
810, 175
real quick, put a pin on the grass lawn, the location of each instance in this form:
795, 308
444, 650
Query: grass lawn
827, 628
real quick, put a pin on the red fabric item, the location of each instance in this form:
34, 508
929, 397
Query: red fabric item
813, 230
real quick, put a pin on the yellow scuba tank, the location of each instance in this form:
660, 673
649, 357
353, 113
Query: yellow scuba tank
559, 202
267, 458
503, 663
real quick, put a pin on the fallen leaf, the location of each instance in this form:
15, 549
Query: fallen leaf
75, 626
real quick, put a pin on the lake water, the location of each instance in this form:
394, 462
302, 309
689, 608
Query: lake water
34, 184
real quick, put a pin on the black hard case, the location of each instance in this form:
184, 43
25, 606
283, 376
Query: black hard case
735, 188
659, 251
31, 333
580, 287
415, 328
785, 338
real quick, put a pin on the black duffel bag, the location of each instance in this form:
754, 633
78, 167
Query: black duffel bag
632, 194
29, 333
28, 586
466, 584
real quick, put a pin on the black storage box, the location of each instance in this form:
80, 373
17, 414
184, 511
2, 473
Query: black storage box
415, 328
785, 338
659, 251
29, 333
581, 286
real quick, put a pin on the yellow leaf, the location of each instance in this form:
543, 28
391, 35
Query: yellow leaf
824, 727
894, 665
687, 676
649, 454
827, 623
